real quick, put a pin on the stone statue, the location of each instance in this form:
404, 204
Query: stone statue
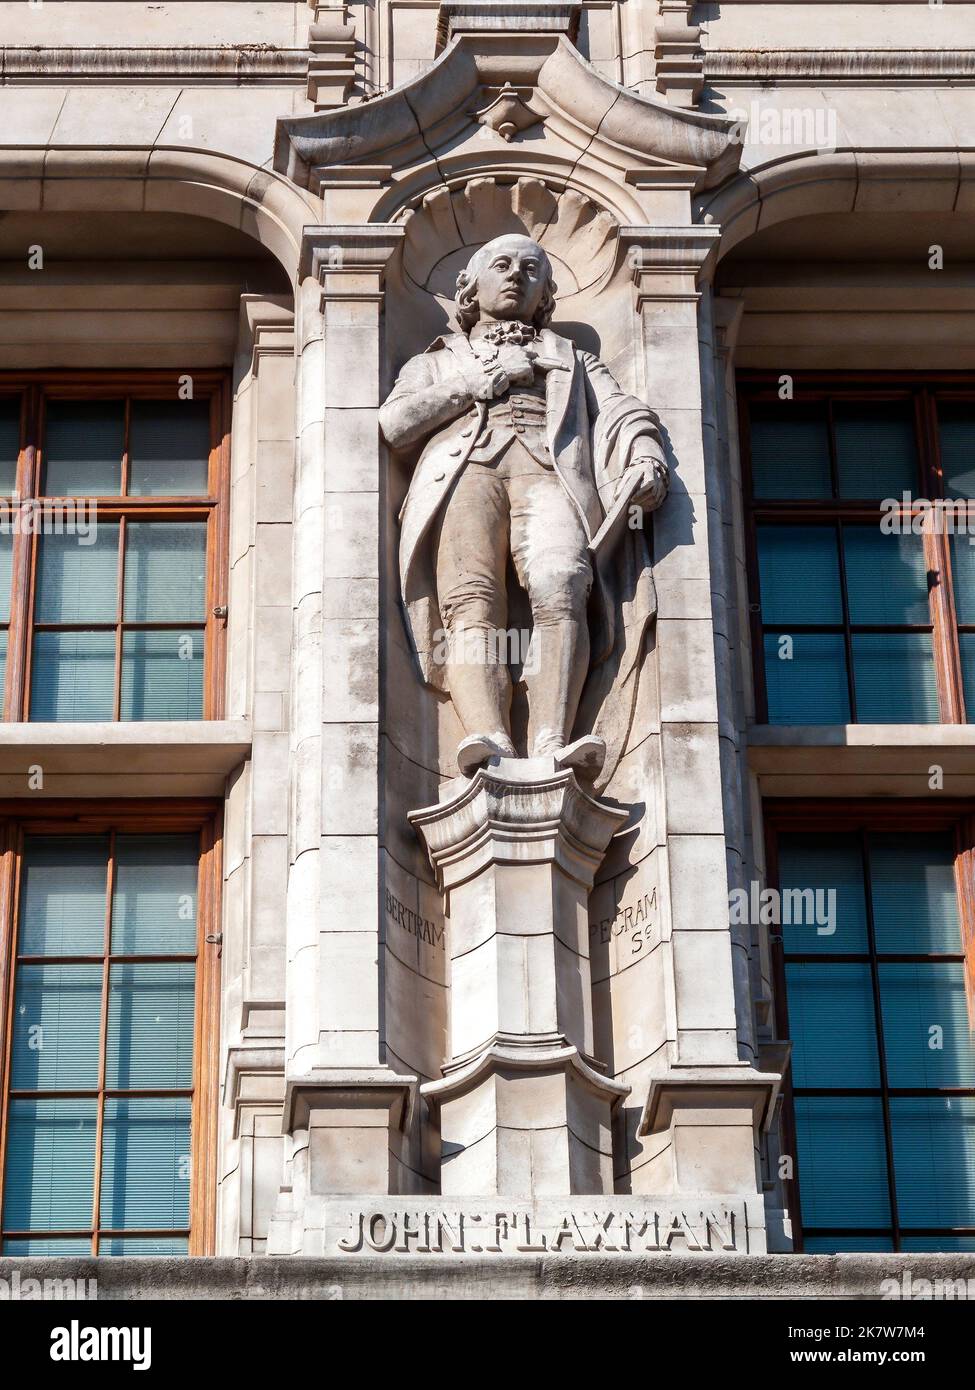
532, 454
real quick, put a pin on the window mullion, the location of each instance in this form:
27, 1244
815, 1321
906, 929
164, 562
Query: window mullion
937, 555
18, 639
103, 1045
119, 616
881, 1048
9, 906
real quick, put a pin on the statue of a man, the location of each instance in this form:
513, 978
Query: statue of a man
528, 444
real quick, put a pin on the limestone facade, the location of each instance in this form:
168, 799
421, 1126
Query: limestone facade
287, 191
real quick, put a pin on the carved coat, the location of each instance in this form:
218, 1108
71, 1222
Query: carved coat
592, 426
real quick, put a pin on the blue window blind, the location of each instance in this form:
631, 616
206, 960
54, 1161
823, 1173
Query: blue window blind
83, 446
894, 678
925, 1014
800, 575
831, 1023
146, 1163
118, 624
836, 1245
790, 451
9, 442
842, 1161
912, 885
806, 679
876, 452
62, 889
847, 595
150, 1026
826, 864
883, 1064
957, 441
50, 1165
6, 563
162, 675
934, 1159
73, 672
165, 571
963, 588
142, 999
55, 1042
155, 895
6, 572
886, 577
78, 583
72, 677
169, 448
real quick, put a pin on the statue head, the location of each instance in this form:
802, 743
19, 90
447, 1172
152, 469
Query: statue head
508, 278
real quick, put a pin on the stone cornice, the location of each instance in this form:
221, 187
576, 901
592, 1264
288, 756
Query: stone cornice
801, 65
235, 65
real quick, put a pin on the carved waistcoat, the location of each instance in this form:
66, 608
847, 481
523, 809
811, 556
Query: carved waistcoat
519, 414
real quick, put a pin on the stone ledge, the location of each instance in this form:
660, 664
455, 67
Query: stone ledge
864, 760
233, 65
426, 1277
144, 759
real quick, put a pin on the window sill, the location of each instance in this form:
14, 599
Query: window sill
152, 759
862, 759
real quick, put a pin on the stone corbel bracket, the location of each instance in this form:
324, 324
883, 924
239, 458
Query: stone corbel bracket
303, 1094
348, 262
734, 1085
254, 1077
534, 1055
494, 821
669, 263
424, 132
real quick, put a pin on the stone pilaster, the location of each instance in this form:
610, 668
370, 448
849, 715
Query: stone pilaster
331, 62
524, 1106
678, 53
345, 1109
704, 1100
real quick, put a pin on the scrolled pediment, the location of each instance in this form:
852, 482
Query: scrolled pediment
558, 93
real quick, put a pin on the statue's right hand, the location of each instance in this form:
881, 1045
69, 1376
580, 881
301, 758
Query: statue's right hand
494, 383
518, 365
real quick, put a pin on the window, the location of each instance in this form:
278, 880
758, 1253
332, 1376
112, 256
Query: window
872, 993
108, 1084
863, 571
111, 548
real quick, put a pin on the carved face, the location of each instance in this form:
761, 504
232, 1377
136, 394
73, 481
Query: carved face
512, 275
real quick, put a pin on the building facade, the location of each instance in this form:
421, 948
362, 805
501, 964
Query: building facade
280, 977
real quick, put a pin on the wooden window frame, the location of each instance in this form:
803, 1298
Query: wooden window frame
34, 390
61, 818
926, 390
787, 816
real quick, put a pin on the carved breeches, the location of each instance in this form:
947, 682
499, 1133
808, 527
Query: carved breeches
512, 506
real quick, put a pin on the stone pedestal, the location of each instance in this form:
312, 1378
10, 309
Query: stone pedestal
525, 1108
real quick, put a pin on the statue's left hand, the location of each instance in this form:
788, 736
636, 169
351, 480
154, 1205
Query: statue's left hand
653, 484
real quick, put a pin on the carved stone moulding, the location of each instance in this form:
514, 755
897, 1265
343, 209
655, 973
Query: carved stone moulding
494, 16
427, 123
450, 223
509, 113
